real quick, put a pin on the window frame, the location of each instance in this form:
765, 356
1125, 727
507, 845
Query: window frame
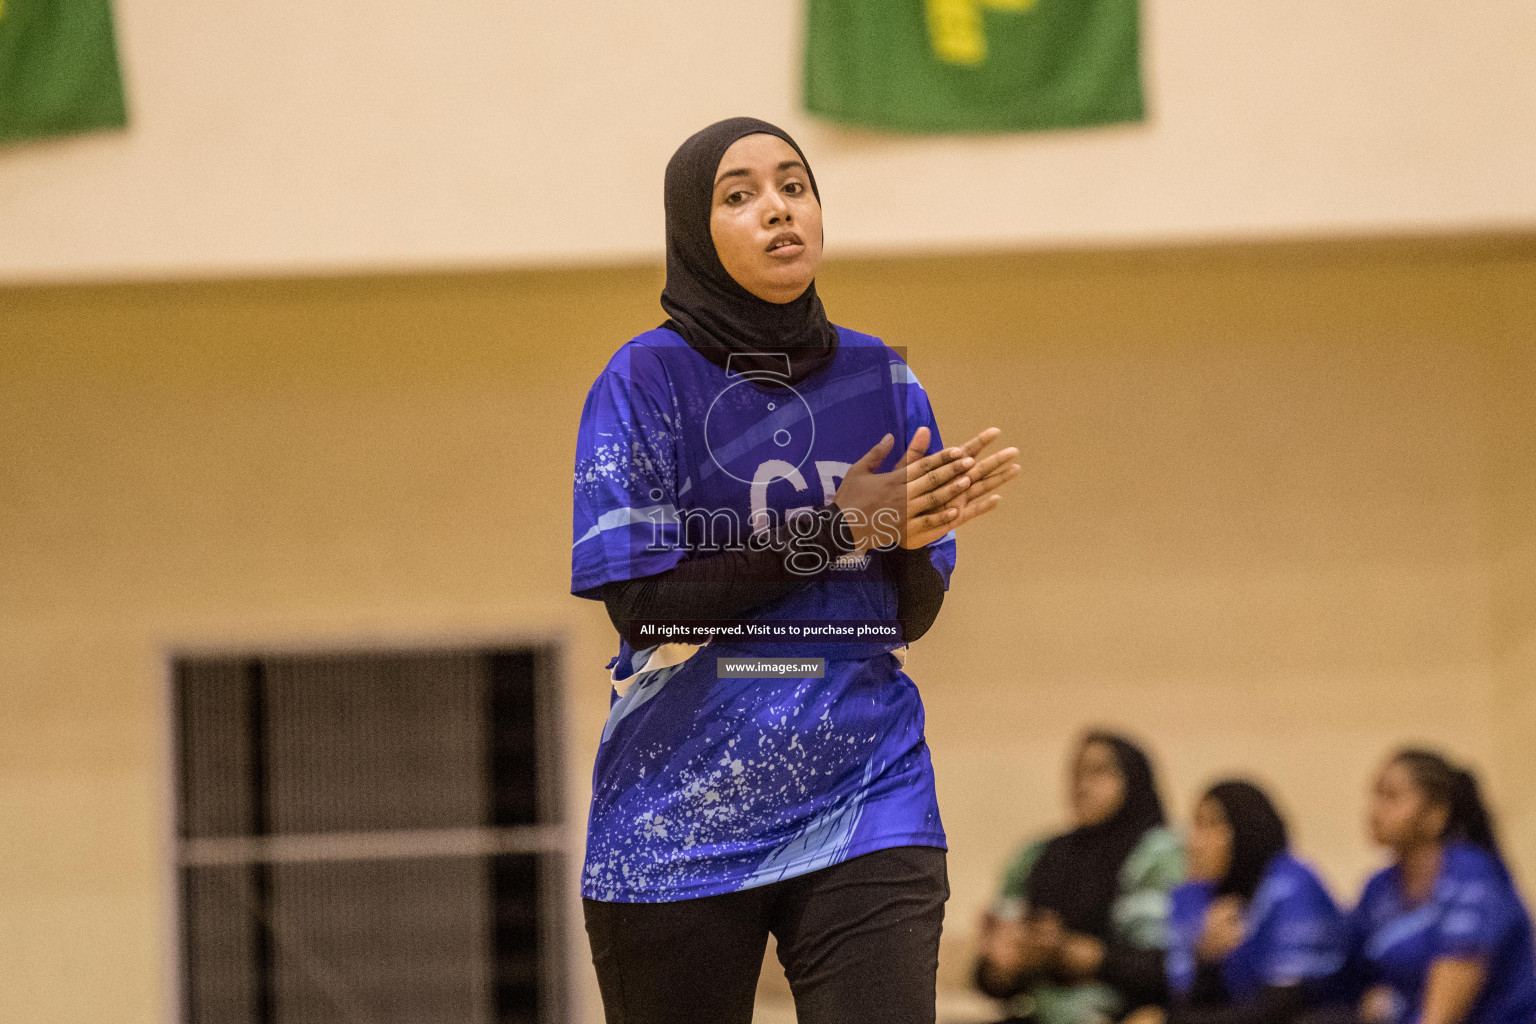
562, 952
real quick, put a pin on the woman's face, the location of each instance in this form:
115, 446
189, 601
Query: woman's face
765, 220
1098, 787
1400, 816
1210, 842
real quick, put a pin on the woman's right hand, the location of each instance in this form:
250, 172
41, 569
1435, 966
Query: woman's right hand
924, 496
1222, 931
975, 500
911, 496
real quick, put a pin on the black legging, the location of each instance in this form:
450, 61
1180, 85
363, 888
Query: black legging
859, 942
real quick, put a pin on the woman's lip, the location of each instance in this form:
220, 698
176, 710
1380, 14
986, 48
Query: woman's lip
791, 249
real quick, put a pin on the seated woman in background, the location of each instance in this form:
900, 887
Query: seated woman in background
1441, 936
1254, 937
1078, 932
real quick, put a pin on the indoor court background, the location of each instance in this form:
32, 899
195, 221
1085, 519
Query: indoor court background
293, 366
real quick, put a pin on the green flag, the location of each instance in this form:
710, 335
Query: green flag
973, 65
58, 68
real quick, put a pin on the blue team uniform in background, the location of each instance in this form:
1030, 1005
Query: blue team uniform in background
1293, 934
706, 785
1474, 912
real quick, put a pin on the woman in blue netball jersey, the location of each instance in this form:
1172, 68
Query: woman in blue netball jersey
1441, 936
1254, 937
751, 465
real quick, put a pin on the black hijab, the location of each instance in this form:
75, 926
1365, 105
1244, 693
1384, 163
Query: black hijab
1258, 835
718, 317
1078, 874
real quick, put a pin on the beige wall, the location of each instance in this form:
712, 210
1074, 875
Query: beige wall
289, 136
1512, 551
1269, 521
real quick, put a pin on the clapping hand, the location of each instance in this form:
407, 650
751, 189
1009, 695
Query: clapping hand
924, 496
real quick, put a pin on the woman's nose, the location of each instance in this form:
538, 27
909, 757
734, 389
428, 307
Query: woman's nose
776, 209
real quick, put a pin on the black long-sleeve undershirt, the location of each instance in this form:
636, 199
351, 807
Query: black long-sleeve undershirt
731, 584
919, 589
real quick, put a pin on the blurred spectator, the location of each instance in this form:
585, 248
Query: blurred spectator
1078, 931
1254, 937
1441, 936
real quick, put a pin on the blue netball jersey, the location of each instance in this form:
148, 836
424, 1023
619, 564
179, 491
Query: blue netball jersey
1473, 912
1293, 934
706, 785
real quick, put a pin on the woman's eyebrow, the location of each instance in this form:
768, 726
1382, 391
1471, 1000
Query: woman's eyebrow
742, 172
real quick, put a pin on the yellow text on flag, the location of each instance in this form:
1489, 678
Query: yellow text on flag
956, 30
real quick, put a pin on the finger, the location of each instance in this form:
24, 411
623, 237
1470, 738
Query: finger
943, 520
939, 519
942, 495
978, 509
929, 463
934, 479
921, 505
975, 492
994, 479
916, 448
876, 455
991, 483
993, 461
925, 504
978, 444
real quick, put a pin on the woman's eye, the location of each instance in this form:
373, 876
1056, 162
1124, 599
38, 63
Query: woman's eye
735, 197
794, 188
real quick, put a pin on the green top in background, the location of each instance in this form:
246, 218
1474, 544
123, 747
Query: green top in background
58, 69
1139, 918
973, 65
